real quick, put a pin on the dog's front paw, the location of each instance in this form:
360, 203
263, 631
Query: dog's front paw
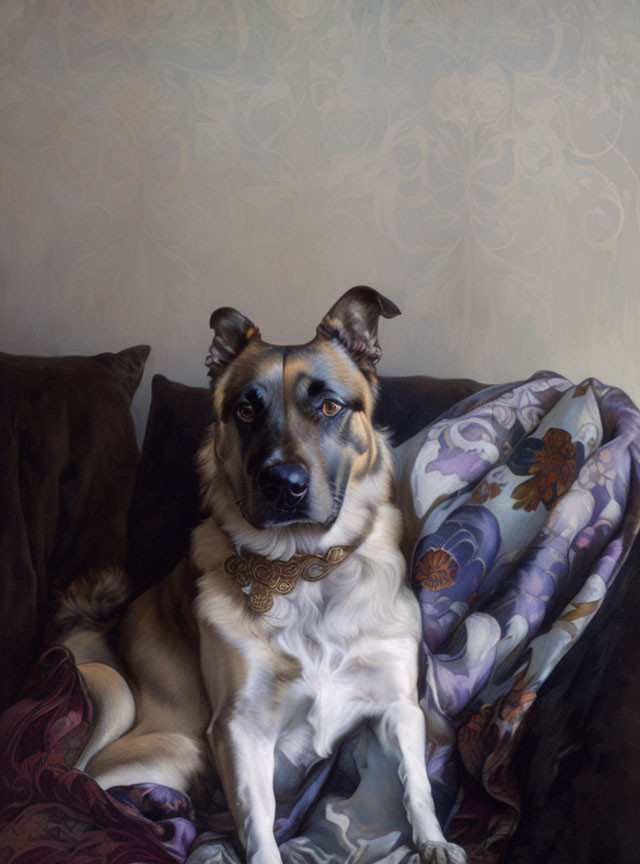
265, 857
434, 852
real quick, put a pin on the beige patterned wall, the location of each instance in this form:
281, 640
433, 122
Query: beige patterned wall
477, 161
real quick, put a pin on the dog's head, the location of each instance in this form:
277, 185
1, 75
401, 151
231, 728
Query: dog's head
294, 423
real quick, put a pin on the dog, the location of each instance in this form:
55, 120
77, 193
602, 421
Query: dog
291, 623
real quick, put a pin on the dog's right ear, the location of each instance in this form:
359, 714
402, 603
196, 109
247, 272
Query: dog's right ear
353, 322
232, 333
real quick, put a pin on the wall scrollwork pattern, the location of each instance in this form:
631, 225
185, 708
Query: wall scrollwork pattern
476, 161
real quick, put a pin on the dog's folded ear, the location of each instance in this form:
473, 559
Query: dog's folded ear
232, 333
353, 321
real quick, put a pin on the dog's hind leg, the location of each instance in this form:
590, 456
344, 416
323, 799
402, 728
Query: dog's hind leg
119, 754
166, 758
114, 709
402, 734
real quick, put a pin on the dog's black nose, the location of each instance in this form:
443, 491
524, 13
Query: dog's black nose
284, 486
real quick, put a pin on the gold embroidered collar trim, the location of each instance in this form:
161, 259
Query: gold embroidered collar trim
268, 577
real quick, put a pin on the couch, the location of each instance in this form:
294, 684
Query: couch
80, 496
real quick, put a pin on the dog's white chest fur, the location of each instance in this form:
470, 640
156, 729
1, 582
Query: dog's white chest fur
353, 641
316, 712
332, 693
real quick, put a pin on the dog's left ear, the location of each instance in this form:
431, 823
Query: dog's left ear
353, 321
232, 333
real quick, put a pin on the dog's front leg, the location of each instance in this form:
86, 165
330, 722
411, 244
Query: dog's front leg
244, 757
402, 734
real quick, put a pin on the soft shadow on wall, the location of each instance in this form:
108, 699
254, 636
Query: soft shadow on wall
475, 161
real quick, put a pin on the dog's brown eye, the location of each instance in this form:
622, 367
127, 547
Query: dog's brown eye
330, 408
246, 413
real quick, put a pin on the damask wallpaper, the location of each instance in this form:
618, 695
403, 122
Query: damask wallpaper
475, 160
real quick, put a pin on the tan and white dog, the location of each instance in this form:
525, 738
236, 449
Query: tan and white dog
292, 623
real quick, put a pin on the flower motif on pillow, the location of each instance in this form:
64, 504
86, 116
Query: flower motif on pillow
553, 462
486, 491
436, 569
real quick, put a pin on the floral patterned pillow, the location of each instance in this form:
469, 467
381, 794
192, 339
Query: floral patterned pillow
526, 512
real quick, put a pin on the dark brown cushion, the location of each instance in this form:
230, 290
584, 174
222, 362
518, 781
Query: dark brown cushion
166, 504
166, 501
68, 457
408, 404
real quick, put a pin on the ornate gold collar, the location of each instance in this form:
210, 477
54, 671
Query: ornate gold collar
268, 577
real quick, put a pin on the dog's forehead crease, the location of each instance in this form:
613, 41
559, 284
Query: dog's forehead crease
258, 368
309, 370
274, 372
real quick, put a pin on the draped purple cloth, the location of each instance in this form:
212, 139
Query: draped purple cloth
530, 497
51, 813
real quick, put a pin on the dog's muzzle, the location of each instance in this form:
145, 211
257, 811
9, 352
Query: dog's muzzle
284, 488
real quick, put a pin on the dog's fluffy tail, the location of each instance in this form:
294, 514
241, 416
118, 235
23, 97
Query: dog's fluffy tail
93, 601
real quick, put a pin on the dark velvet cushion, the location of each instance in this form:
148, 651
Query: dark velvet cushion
166, 504
68, 457
166, 501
